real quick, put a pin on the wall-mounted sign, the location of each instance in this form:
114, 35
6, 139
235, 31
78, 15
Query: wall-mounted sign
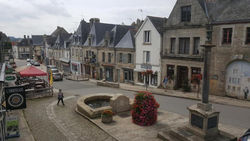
12, 126
15, 97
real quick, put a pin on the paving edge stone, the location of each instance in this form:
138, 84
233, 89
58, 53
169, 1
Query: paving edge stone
22, 115
95, 124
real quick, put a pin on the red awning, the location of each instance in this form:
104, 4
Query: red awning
32, 71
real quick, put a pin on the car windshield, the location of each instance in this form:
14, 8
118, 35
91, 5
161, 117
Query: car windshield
55, 71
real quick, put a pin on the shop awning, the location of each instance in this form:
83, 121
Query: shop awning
64, 60
32, 71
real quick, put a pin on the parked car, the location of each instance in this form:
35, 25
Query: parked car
246, 136
50, 67
28, 60
36, 64
56, 74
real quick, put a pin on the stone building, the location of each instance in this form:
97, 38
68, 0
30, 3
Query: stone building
38, 47
148, 41
105, 42
95, 49
25, 49
182, 57
186, 30
78, 39
54, 45
230, 70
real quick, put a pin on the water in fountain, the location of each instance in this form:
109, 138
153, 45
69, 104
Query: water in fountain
98, 103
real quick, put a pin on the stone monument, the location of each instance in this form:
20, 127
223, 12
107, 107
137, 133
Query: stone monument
120, 103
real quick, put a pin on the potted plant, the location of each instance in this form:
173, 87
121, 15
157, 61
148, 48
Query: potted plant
107, 116
144, 110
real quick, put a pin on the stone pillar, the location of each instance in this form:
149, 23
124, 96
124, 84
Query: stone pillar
191, 49
177, 46
175, 75
189, 74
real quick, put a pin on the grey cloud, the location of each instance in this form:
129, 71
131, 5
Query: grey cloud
11, 14
51, 8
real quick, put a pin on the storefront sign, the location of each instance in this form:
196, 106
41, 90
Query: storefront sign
146, 66
15, 97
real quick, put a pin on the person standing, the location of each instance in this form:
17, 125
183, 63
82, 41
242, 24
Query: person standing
246, 91
60, 97
165, 81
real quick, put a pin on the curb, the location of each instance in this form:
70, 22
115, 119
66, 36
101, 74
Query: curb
27, 125
177, 96
76, 80
94, 123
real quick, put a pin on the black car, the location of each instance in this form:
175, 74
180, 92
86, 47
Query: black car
246, 136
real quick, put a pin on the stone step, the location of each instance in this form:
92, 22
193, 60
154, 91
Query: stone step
165, 136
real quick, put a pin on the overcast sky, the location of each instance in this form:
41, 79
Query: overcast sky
38, 17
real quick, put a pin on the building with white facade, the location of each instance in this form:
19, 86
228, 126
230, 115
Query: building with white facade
148, 41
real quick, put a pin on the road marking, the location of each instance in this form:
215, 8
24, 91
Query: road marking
59, 123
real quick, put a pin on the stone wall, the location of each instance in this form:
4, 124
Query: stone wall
223, 55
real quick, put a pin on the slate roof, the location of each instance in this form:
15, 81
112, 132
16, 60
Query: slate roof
127, 41
3, 37
25, 42
116, 34
59, 30
59, 43
226, 11
57, 38
158, 22
82, 32
37, 40
98, 31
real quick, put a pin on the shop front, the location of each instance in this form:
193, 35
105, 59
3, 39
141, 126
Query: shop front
128, 75
75, 67
65, 66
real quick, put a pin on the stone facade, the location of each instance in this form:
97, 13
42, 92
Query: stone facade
182, 54
225, 54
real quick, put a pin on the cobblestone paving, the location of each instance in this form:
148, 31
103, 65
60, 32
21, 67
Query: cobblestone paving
49, 122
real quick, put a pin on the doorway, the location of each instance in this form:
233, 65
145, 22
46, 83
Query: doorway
182, 76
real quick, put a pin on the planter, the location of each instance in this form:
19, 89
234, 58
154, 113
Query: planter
107, 119
144, 111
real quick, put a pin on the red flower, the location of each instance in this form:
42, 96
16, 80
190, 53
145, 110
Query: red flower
144, 111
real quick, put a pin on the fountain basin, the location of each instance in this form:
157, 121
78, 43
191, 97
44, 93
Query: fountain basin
93, 105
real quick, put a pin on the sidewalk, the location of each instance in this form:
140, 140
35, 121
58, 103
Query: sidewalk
25, 133
189, 95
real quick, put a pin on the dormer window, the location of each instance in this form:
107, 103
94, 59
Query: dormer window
89, 41
106, 42
186, 13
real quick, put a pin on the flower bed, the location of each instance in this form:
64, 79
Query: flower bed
144, 111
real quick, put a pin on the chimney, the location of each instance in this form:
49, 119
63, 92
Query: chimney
94, 20
28, 39
107, 35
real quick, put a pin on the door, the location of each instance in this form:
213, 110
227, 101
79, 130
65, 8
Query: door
182, 76
118, 75
109, 74
101, 74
